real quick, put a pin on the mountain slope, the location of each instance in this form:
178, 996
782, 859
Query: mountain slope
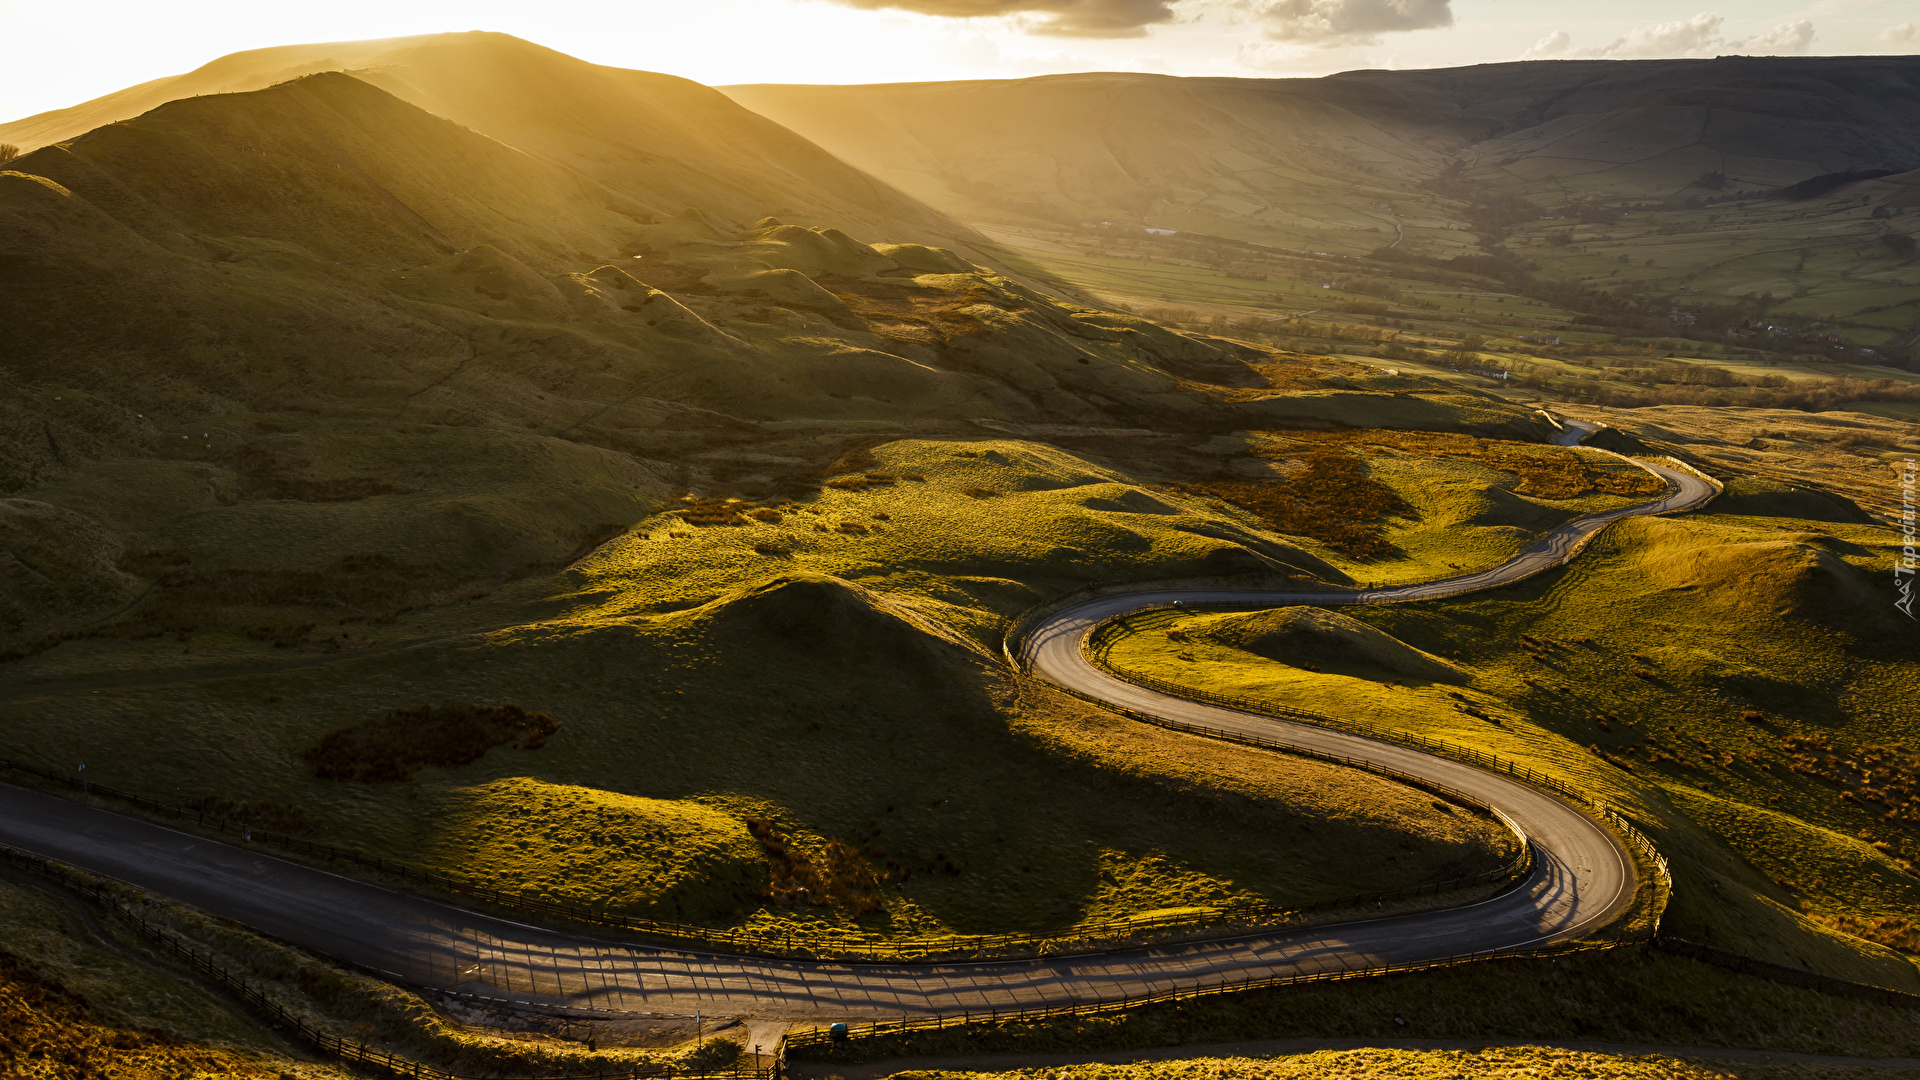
1343, 163
667, 143
1270, 161
332, 334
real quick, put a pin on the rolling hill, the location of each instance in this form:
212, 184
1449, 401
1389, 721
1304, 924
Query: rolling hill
1343, 162
664, 143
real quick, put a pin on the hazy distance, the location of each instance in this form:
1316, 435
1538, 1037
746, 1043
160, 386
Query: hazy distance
63, 54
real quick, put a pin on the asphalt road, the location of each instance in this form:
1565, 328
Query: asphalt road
1582, 880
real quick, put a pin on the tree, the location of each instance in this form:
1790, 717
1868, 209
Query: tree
8, 152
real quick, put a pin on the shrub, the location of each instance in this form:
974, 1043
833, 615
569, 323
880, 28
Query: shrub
395, 746
1333, 500
840, 875
8, 152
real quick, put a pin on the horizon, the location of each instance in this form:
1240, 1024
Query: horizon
853, 42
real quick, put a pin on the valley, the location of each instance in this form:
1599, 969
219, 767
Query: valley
619, 497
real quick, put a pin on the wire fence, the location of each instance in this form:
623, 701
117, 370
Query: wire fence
1096, 645
818, 1035
326, 1042
1099, 644
1093, 936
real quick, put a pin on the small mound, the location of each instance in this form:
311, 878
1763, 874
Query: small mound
1612, 438
1501, 508
817, 251
825, 615
1751, 497
789, 288
1128, 501
925, 260
612, 292
1791, 577
649, 858
1305, 635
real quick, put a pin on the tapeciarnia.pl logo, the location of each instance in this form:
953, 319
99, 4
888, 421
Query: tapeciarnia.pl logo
1905, 565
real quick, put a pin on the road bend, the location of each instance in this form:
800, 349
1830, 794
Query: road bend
1582, 877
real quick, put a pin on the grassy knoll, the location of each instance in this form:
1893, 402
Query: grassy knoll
1733, 679
687, 656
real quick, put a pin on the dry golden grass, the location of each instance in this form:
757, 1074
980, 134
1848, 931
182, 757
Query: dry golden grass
918, 315
50, 1033
1378, 1063
1545, 472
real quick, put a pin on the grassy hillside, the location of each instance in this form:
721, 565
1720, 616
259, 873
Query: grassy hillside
1740, 201
685, 657
1729, 675
662, 143
1359, 160
1371, 1062
1275, 162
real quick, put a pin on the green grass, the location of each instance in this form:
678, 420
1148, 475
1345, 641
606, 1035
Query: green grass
701, 682
1819, 258
1722, 617
681, 659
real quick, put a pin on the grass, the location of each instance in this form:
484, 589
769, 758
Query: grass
1501, 1063
79, 997
680, 661
1638, 673
661, 674
1619, 996
1395, 506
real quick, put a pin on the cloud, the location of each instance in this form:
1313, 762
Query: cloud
1554, 44
1901, 34
1066, 18
1698, 36
1787, 38
1346, 22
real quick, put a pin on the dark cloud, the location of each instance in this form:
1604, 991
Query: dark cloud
1068, 18
1348, 22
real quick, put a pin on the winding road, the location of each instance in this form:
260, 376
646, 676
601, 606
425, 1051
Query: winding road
1582, 877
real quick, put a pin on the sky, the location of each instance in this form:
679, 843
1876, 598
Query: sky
54, 54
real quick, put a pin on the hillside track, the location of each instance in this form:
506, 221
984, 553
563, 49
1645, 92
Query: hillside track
1582, 878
